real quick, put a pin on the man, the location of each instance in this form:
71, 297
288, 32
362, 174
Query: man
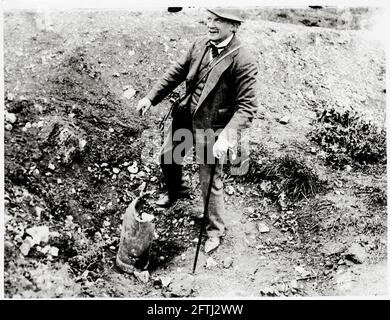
223, 99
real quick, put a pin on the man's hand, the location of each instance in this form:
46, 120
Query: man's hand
221, 148
143, 106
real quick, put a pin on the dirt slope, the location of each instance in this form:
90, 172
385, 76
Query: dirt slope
73, 160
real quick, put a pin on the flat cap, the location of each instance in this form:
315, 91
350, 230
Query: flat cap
227, 13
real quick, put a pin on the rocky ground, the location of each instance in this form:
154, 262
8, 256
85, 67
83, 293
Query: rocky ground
309, 219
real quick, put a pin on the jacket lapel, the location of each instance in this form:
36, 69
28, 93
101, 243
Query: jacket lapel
197, 61
213, 78
217, 71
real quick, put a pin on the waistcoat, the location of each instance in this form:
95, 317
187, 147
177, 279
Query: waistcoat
198, 90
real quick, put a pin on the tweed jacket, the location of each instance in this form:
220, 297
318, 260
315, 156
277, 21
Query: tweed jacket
228, 100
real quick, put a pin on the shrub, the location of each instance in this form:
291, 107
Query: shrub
287, 175
348, 139
376, 197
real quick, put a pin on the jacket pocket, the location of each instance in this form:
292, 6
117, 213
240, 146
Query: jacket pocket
223, 113
223, 116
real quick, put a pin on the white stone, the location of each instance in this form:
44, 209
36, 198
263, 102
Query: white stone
165, 281
133, 169
45, 249
38, 211
27, 244
97, 236
141, 174
10, 96
39, 234
227, 262
250, 210
302, 271
25, 249
211, 263
182, 285
54, 234
142, 276
53, 251
10, 117
146, 217
129, 93
262, 227
82, 143
284, 120
229, 190
356, 253
348, 168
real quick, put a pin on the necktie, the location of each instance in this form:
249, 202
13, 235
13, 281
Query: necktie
214, 50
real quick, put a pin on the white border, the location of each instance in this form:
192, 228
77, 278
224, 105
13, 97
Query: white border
2, 227
23, 4
122, 4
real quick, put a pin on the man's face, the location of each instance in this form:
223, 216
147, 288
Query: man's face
218, 29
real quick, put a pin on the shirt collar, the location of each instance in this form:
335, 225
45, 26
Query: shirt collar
224, 43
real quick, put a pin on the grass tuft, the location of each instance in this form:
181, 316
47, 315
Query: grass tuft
288, 174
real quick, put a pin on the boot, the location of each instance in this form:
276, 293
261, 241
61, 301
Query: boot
176, 185
168, 200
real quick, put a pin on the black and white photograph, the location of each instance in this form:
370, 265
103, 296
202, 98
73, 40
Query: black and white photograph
194, 150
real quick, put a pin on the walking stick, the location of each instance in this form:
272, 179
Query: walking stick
205, 212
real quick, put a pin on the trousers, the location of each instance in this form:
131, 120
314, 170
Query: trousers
176, 146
